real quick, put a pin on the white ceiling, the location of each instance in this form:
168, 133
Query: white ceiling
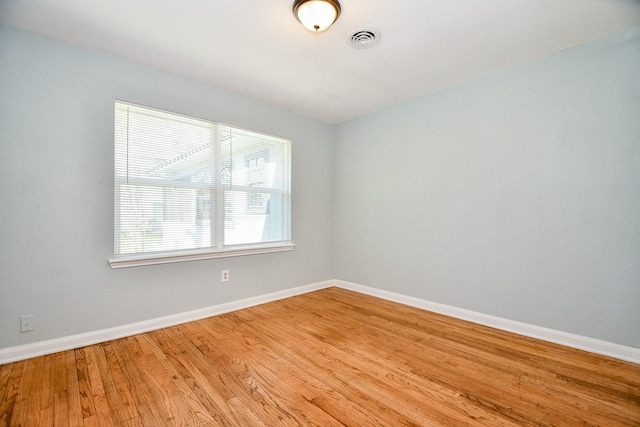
256, 48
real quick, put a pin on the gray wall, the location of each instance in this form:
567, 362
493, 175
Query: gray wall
56, 194
515, 195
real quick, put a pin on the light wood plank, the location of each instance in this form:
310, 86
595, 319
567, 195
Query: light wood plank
27, 404
10, 375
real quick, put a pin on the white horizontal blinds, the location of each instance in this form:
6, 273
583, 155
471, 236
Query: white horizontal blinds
180, 182
164, 181
255, 182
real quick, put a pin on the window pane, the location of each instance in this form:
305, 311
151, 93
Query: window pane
158, 146
156, 219
253, 217
255, 160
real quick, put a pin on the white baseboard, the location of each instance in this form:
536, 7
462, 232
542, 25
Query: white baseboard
21, 352
622, 352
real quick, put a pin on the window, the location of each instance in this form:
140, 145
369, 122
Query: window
187, 189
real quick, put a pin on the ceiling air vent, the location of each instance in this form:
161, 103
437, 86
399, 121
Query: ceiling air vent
364, 38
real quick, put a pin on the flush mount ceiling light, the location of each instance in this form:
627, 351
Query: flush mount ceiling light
316, 15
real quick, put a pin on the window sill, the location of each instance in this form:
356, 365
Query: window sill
124, 261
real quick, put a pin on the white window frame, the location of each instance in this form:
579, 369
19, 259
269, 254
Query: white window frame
219, 251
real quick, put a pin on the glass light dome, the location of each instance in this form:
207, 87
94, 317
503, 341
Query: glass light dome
316, 15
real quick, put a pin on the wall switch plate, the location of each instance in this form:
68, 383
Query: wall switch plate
225, 276
27, 323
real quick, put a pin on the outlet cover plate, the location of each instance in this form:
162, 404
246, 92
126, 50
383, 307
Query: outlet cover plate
27, 323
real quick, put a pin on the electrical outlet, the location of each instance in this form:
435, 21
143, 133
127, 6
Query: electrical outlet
225, 276
27, 323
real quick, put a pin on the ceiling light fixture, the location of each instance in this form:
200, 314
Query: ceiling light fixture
316, 15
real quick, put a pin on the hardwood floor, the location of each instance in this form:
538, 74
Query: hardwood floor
328, 358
